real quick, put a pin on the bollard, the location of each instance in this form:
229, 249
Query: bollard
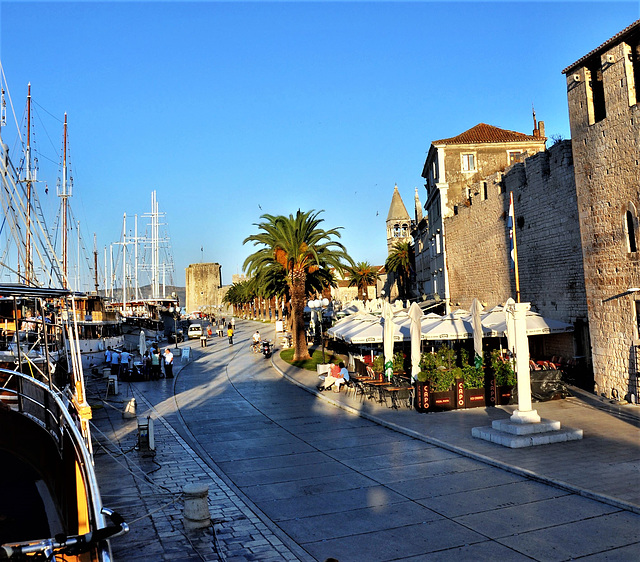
106, 372
196, 507
129, 409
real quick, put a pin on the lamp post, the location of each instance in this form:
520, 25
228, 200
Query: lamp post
317, 306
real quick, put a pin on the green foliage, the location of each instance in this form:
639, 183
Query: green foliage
473, 377
423, 376
502, 370
442, 379
362, 275
398, 362
378, 364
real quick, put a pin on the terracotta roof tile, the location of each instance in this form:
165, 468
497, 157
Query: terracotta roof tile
483, 133
615, 39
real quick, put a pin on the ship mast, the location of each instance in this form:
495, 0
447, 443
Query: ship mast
28, 266
64, 193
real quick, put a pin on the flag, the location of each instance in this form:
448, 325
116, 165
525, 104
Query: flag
511, 226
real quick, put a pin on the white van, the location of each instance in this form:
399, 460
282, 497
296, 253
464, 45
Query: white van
195, 331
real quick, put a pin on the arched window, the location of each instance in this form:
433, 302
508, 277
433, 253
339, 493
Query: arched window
631, 227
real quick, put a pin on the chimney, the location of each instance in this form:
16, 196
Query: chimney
541, 129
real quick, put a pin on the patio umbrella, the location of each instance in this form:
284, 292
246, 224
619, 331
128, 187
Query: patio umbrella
142, 343
476, 323
387, 338
415, 313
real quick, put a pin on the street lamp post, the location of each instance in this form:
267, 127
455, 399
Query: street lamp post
317, 306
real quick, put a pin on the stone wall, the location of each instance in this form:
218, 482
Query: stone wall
548, 241
605, 132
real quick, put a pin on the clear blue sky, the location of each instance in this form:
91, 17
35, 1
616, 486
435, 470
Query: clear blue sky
223, 108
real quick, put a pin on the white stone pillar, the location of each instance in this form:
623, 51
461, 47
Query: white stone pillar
524, 413
196, 506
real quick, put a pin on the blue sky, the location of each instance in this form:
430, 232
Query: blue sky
231, 110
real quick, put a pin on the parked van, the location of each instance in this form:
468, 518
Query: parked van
195, 331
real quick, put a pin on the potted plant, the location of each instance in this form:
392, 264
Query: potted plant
441, 385
470, 388
378, 366
504, 378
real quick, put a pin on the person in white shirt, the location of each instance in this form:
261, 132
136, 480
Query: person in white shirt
168, 363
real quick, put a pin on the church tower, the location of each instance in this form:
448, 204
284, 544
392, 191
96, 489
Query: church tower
398, 221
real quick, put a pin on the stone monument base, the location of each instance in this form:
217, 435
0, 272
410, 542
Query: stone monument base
518, 435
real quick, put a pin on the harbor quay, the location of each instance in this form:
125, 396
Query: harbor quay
297, 474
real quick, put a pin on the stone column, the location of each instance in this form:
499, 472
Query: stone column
524, 413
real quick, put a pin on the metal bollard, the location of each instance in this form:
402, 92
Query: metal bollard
196, 506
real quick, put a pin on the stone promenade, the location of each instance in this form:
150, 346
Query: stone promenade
146, 489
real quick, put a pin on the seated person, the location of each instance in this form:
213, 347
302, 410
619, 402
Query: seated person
256, 337
337, 376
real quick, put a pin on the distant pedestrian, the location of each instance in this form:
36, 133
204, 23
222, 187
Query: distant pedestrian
146, 365
230, 334
115, 362
168, 363
107, 356
203, 339
155, 364
233, 323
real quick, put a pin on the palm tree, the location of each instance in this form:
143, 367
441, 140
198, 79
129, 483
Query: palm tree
361, 276
301, 249
400, 263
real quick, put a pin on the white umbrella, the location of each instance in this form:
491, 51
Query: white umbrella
415, 313
476, 323
387, 338
142, 343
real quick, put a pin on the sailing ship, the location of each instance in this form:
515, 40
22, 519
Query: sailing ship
50, 505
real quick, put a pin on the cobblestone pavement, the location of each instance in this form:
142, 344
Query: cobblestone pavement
147, 489
270, 499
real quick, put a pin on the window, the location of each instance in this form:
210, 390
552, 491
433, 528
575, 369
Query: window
631, 228
514, 156
468, 162
485, 191
595, 93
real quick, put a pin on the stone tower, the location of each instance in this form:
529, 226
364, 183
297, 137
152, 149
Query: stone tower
603, 90
398, 221
203, 282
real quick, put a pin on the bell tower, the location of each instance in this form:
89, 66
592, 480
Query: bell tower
398, 221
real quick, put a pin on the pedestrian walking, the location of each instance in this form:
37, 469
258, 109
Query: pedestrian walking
115, 362
230, 333
168, 363
107, 356
155, 364
146, 365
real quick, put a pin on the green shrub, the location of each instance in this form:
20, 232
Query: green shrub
423, 376
502, 370
442, 379
473, 377
378, 364
398, 362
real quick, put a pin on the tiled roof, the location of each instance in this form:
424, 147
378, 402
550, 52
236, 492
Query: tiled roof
607, 43
482, 133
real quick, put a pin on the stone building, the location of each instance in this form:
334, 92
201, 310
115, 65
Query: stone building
549, 248
451, 167
603, 91
203, 283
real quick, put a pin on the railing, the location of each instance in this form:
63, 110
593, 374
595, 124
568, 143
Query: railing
33, 399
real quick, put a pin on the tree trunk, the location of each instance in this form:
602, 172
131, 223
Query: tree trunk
298, 294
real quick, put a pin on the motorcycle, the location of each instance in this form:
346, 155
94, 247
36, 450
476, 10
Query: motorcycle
267, 348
